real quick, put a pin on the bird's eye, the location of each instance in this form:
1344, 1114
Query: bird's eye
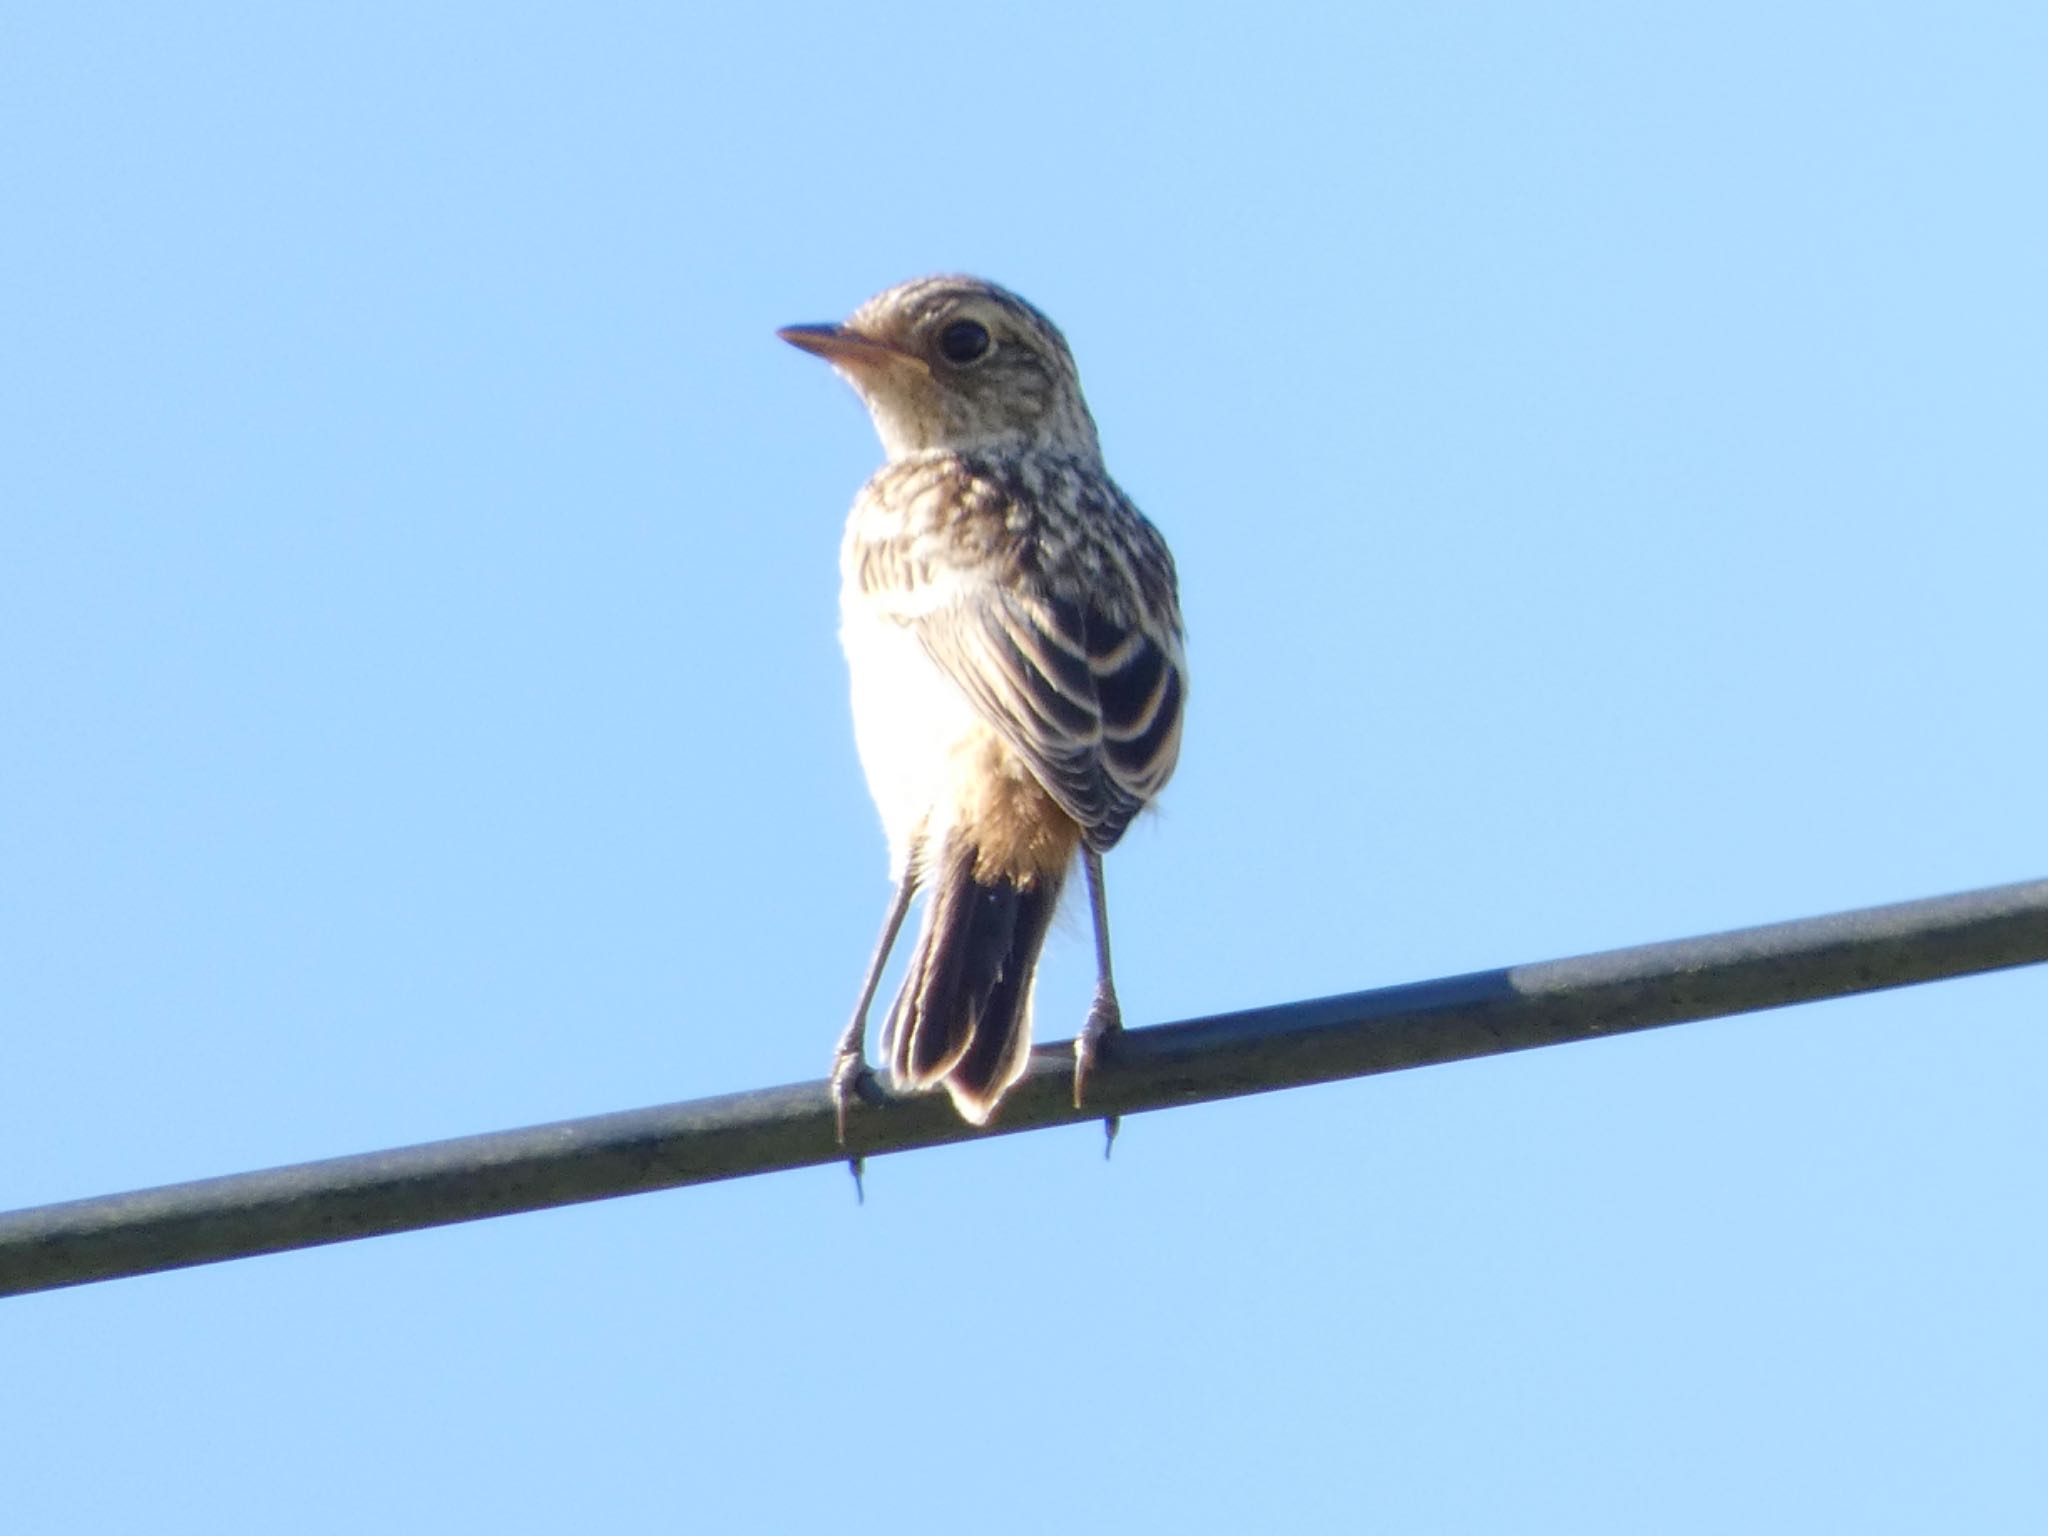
964, 342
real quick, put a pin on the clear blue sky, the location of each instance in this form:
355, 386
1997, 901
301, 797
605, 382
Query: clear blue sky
1604, 450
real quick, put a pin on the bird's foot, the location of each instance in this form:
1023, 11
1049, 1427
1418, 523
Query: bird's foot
1105, 1018
850, 1079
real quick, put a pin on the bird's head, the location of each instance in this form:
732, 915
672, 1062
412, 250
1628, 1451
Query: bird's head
955, 362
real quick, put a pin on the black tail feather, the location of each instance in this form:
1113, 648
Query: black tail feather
963, 1018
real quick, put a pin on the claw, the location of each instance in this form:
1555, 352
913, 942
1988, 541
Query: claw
847, 1071
1105, 1018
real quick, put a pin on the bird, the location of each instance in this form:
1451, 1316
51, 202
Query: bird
1013, 636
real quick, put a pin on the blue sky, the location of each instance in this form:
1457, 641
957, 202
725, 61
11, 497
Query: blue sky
1604, 453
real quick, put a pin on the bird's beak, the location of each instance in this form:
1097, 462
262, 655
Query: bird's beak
844, 347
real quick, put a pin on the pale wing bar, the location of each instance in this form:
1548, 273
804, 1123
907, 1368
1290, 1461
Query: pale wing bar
1138, 694
1093, 707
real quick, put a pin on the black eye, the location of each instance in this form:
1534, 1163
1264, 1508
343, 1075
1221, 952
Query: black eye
964, 341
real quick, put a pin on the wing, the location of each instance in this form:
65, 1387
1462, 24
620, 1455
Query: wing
1090, 701
1051, 603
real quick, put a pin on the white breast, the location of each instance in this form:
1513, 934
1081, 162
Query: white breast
910, 723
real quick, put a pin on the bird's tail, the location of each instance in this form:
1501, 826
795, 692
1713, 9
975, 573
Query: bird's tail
963, 1018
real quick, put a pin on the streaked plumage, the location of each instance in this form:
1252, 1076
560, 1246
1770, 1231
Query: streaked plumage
1013, 631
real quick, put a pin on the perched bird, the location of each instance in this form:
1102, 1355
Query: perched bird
1013, 630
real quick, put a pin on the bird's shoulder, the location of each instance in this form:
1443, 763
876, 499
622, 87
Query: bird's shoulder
1028, 523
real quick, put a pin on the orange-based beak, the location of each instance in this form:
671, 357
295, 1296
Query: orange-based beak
845, 347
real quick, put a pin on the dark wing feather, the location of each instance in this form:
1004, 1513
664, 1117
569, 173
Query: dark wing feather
1064, 632
1093, 706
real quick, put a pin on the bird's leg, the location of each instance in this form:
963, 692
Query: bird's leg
849, 1060
1104, 1016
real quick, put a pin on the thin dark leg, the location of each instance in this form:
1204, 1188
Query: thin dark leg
849, 1060
1104, 1017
